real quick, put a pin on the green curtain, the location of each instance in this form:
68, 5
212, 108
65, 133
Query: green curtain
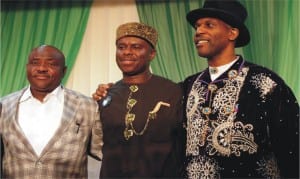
273, 24
275, 41
176, 56
25, 25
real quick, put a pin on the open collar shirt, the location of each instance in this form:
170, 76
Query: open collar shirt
39, 120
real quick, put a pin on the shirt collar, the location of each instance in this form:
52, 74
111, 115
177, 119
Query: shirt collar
57, 93
217, 71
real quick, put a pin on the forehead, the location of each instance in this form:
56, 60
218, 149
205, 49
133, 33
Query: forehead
45, 53
131, 40
210, 19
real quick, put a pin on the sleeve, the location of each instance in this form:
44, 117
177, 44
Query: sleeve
181, 137
284, 131
178, 153
96, 141
0, 118
1, 144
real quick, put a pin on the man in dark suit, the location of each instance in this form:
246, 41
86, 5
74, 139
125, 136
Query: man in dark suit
48, 130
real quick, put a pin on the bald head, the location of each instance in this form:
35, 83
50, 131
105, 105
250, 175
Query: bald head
48, 51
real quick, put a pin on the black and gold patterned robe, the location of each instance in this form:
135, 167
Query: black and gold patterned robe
243, 124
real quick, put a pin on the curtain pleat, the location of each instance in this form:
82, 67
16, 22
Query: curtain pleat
25, 25
274, 26
176, 55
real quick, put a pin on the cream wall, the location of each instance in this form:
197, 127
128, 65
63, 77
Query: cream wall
95, 63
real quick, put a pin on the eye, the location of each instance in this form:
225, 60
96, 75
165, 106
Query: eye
53, 64
34, 63
209, 24
136, 46
120, 47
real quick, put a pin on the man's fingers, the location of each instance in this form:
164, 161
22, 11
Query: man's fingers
96, 97
101, 91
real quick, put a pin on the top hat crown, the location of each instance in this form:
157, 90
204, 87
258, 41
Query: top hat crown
230, 11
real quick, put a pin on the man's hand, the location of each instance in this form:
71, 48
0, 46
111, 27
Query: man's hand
101, 91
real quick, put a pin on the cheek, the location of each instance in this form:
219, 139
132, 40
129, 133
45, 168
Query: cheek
57, 74
118, 53
29, 71
118, 56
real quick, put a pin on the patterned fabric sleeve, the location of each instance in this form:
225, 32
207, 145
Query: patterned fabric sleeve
96, 143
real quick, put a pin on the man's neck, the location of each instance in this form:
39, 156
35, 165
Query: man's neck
224, 57
137, 79
40, 95
220, 61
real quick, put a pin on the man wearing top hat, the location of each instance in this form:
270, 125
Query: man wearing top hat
242, 119
142, 113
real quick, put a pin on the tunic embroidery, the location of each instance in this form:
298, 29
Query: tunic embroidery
268, 167
264, 84
235, 122
225, 137
203, 167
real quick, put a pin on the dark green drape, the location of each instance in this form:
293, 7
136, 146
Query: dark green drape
27, 24
176, 55
273, 24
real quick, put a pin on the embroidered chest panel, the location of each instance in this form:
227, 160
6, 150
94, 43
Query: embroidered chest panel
217, 132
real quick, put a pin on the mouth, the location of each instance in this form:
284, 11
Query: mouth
127, 61
42, 77
201, 42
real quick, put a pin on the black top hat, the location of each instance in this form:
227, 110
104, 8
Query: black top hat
229, 11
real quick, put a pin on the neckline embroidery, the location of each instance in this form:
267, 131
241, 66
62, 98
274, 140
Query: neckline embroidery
212, 110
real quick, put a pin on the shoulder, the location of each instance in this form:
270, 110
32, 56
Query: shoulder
188, 82
192, 77
258, 73
78, 96
266, 82
162, 82
12, 96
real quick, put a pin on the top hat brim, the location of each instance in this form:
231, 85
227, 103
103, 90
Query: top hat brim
244, 35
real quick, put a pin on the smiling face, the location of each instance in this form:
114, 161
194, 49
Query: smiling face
133, 55
45, 69
214, 37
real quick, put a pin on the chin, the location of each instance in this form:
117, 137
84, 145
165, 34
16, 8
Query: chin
203, 55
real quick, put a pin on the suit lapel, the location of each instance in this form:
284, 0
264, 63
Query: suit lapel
14, 126
71, 104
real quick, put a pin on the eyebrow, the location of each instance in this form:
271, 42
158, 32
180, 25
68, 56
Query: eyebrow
47, 58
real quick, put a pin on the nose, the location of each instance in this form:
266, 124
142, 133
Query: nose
199, 30
42, 67
127, 51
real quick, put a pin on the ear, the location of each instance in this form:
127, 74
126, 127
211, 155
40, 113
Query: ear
233, 34
64, 70
152, 54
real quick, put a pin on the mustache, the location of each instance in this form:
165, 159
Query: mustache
44, 74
